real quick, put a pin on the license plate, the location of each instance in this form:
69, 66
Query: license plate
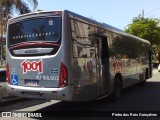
32, 82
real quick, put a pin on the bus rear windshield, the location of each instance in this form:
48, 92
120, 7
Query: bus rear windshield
35, 30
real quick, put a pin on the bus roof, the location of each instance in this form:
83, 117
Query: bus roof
110, 28
103, 25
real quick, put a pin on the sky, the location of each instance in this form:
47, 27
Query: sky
118, 13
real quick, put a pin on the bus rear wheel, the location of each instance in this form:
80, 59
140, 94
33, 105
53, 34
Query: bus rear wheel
117, 89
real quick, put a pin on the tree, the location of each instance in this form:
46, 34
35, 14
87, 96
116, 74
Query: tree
148, 29
9, 7
145, 28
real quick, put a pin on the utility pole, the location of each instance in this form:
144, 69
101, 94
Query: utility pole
142, 13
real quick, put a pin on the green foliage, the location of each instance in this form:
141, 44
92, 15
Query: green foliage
145, 28
18, 6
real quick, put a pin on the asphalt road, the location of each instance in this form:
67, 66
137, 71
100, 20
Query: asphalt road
135, 99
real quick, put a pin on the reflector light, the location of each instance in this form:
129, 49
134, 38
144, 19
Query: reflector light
54, 91
12, 89
58, 13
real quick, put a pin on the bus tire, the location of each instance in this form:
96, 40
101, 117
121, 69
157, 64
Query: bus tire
117, 89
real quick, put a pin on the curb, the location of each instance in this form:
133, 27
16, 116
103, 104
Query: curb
11, 100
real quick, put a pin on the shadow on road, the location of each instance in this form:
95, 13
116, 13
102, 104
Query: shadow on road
135, 98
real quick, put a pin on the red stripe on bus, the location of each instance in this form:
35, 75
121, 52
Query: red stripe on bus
33, 44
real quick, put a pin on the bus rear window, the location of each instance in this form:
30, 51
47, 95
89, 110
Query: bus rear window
35, 30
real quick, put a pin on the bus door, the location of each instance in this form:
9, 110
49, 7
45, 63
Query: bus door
102, 66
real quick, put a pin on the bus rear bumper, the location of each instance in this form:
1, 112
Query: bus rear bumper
64, 93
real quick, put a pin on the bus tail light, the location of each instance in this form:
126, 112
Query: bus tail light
63, 81
8, 80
